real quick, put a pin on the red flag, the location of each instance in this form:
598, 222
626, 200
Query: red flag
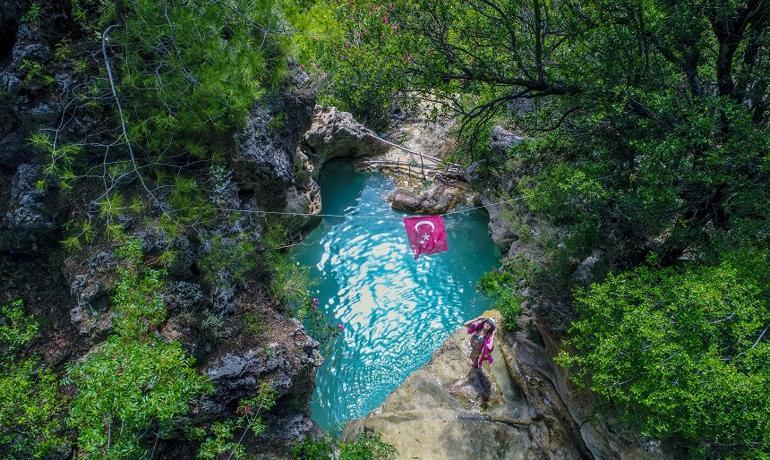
426, 234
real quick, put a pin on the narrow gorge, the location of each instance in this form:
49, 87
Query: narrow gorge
203, 251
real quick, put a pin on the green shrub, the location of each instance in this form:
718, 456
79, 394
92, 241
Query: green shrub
254, 322
30, 405
135, 379
235, 257
683, 352
249, 420
289, 281
500, 287
125, 386
17, 328
365, 447
314, 449
138, 302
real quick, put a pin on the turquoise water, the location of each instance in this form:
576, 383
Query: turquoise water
395, 311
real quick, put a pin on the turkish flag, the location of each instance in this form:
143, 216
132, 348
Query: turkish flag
426, 234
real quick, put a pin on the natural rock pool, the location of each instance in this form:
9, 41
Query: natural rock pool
395, 311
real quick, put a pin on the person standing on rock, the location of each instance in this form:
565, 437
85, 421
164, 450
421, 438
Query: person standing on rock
482, 332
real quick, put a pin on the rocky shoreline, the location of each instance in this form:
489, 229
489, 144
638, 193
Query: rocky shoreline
520, 407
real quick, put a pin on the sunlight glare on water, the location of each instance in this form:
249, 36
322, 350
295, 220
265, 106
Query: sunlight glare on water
396, 311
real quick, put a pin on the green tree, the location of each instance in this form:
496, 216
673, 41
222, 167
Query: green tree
653, 112
129, 391
648, 139
682, 352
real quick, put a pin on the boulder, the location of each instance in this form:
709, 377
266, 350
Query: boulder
501, 228
591, 268
183, 296
262, 159
439, 198
335, 133
14, 150
287, 363
503, 140
91, 282
29, 47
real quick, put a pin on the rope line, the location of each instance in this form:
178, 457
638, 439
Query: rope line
307, 214
457, 211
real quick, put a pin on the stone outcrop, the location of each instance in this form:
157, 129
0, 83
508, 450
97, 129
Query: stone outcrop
520, 407
284, 357
28, 213
335, 134
500, 229
502, 140
264, 153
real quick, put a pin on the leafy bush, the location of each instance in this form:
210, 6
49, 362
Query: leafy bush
289, 281
367, 446
138, 302
30, 405
314, 449
17, 328
500, 286
126, 385
254, 322
684, 352
134, 379
234, 257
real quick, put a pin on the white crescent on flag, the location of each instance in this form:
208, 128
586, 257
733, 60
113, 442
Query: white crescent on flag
424, 222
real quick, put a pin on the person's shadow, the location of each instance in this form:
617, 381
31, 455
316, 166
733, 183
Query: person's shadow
481, 384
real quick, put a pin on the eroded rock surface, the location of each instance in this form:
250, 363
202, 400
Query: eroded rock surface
335, 133
520, 407
286, 362
440, 197
264, 150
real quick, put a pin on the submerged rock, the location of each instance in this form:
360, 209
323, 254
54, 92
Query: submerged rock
520, 407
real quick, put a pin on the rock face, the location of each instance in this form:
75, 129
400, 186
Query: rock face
263, 157
519, 407
336, 134
503, 140
500, 228
28, 213
283, 357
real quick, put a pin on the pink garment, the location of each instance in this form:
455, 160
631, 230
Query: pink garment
426, 234
487, 347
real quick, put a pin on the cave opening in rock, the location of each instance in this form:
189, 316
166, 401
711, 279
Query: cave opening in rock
394, 311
